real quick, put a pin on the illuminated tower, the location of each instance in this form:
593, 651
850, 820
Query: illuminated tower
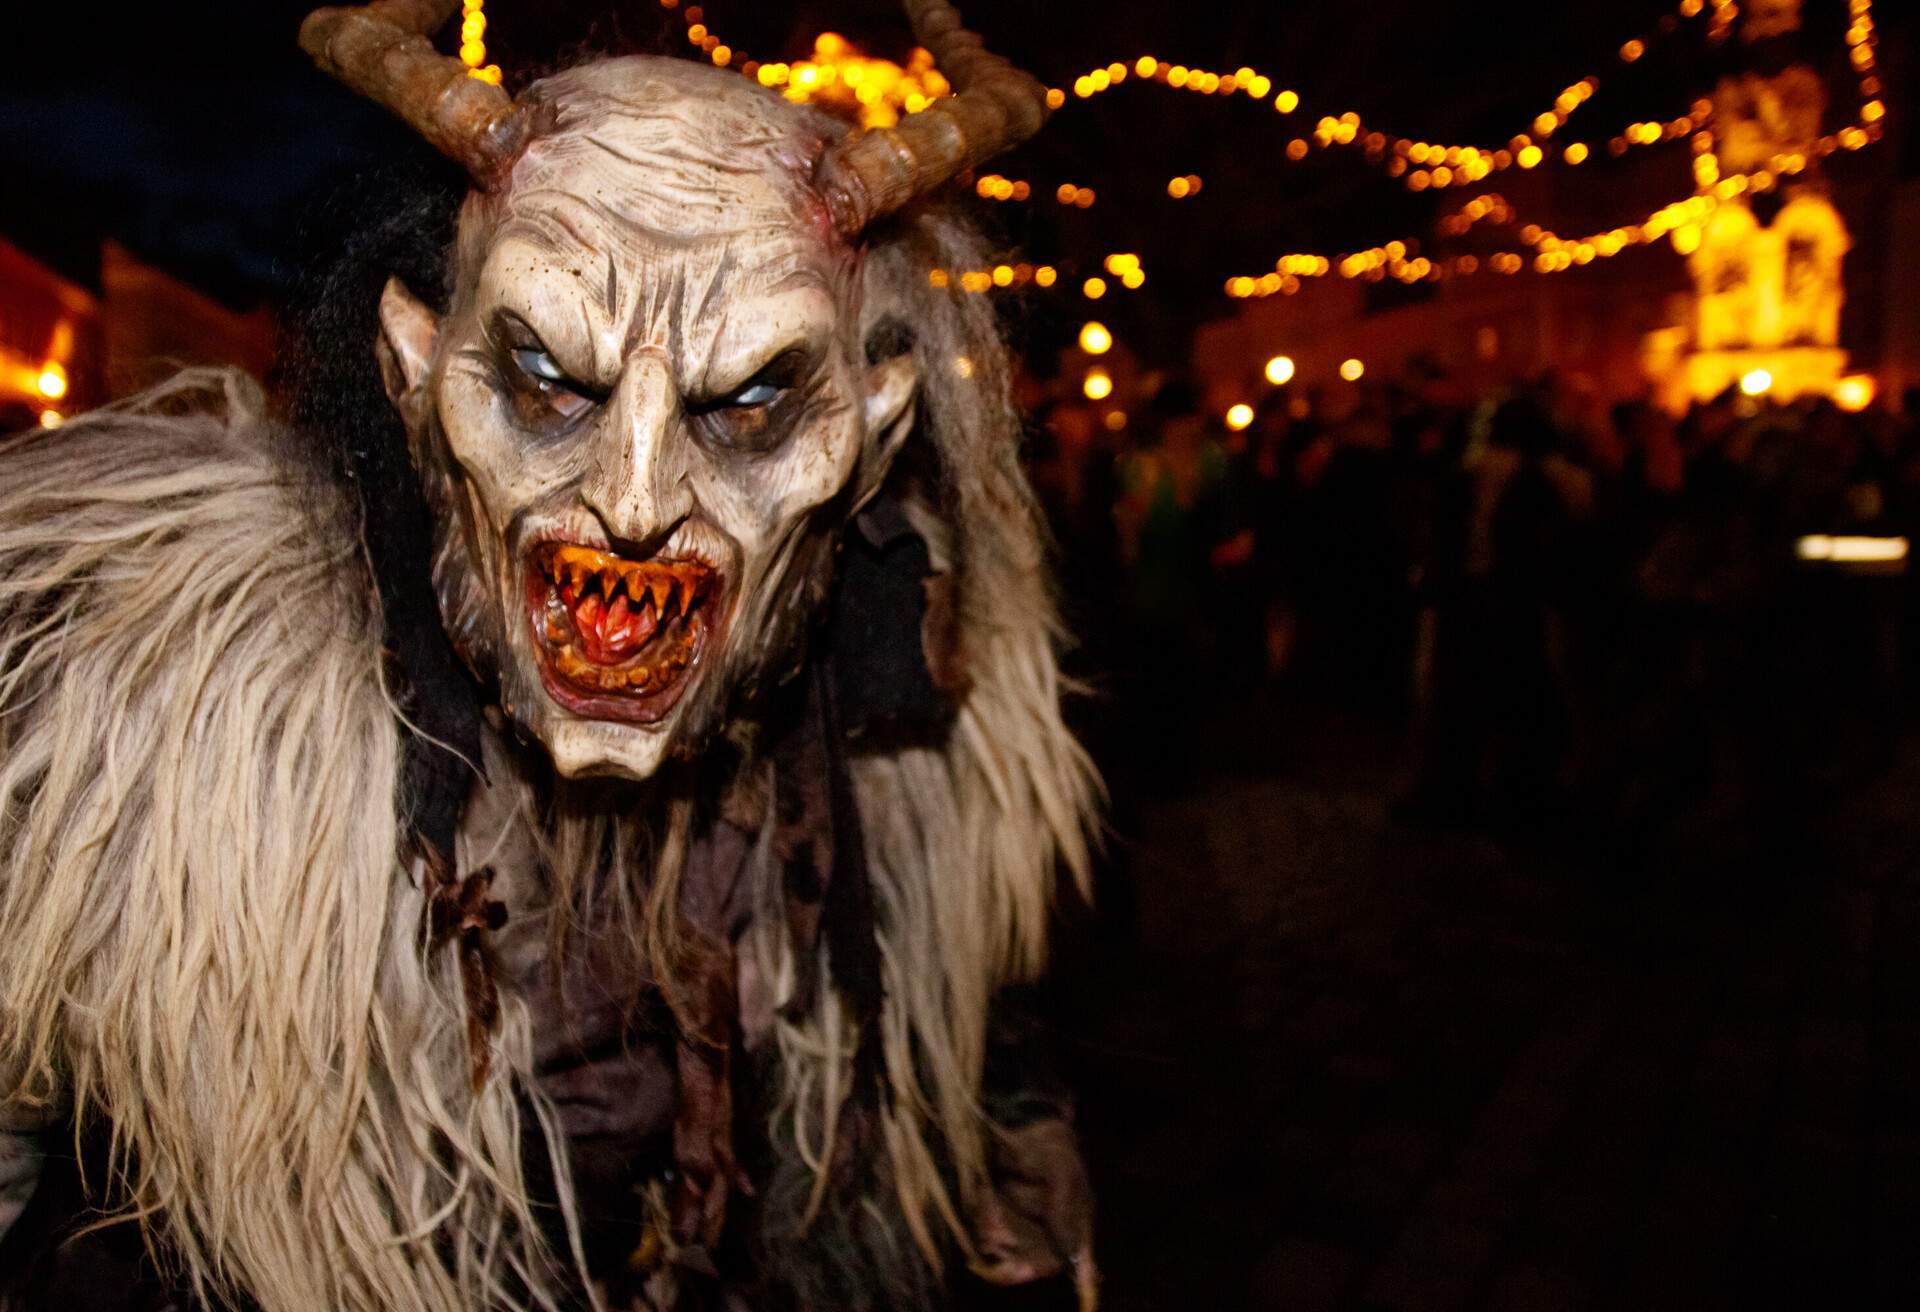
1767, 290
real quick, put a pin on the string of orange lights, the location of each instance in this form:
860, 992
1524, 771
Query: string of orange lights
879, 92
473, 43
1679, 220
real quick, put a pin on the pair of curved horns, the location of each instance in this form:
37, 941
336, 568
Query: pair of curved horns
384, 51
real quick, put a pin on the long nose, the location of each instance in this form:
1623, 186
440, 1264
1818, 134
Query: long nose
636, 483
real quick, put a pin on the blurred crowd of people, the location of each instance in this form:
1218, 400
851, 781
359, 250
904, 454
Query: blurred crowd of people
1578, 613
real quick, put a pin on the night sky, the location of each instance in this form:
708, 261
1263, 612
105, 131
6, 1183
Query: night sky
195, 132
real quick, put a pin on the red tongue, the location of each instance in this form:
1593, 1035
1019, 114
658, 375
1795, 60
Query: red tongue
610, 634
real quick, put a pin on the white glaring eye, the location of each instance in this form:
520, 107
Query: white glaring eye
754, 394
541, 365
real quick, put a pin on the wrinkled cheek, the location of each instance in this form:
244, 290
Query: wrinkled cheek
764, 505
502, 476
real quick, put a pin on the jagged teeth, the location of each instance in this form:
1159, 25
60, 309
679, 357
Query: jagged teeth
673, 589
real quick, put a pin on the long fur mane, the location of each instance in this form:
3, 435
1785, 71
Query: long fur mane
208, 942
212, 945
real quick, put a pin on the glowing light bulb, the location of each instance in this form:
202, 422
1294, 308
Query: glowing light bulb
52, 381
1280, 370
1855, 392
1095, 339
1757, 382
1094, 288
1352, 370
1239, 417
1098, 385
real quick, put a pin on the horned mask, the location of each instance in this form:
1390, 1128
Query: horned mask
654, 401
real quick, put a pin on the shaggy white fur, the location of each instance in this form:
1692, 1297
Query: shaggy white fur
207, 940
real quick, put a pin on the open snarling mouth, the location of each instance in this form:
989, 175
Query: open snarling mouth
617, 638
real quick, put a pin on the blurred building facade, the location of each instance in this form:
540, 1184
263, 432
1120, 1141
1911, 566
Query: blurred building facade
65, 347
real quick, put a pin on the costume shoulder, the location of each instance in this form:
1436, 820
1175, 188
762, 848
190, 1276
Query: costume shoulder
198, 843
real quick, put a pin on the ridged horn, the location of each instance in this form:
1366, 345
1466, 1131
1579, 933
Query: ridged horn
994, 108
384, 50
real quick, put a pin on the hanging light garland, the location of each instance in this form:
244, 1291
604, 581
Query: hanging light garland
473, 45
878, 92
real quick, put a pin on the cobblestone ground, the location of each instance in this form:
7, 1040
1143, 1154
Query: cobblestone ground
1331, 1061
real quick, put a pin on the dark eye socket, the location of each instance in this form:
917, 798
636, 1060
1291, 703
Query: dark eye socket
772, 382
754, 415
544, 395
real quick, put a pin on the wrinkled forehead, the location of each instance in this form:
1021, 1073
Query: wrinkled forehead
677, 151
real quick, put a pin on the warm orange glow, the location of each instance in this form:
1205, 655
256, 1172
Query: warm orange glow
51, 419
1352, 370
878, 92
1098, 385
1239, 417
473, 47
1855, 392
1095, 339
1094, 288
52, 381
1757, 382
1280, 370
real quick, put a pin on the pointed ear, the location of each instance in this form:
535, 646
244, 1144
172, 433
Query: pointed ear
892, 386
408, 330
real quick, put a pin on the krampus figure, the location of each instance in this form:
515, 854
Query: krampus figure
543, 821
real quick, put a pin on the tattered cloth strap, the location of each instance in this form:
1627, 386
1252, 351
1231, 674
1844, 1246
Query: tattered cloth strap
817, 838
460, 912
707, 1009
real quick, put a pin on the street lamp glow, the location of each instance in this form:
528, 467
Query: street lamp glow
1280, 370
1757, 383
1239, 417
1098, 385
52, 381
1095, 339
1352, 370
1854, 393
